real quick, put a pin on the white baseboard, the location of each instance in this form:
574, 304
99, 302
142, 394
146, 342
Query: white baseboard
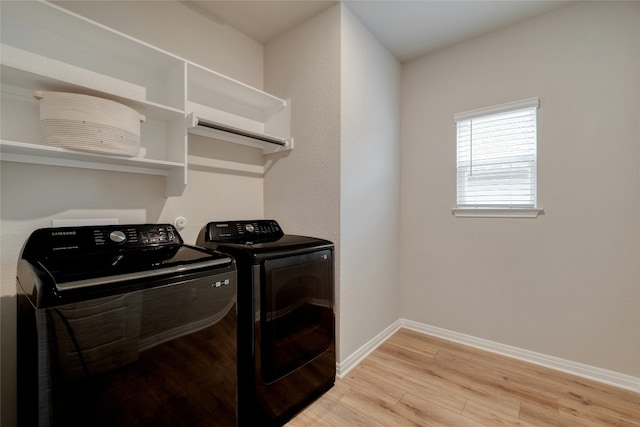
359, 355
574, 368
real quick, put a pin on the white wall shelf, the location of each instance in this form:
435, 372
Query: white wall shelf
46, 47
22, 152
209, 88
241, 114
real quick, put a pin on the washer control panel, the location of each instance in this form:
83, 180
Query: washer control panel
109, 238
136, 235
242, 231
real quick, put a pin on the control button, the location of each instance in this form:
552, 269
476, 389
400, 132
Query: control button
117, 236
250, 228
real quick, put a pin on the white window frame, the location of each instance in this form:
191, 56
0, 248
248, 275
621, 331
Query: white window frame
500, 211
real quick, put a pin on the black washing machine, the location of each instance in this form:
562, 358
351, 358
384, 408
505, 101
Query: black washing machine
125, 326
286, 321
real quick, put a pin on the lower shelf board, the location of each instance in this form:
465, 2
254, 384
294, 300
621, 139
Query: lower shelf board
38, 154
42, 154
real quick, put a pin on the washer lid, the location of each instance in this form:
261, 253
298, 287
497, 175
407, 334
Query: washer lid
82, 271
73, 258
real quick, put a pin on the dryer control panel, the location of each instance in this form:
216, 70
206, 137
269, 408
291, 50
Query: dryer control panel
241, 231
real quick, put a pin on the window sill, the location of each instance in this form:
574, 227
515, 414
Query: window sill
496, 213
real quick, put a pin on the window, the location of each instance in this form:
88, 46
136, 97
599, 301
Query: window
497, 161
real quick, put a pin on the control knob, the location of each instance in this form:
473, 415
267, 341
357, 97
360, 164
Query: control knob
250, 228
117, 236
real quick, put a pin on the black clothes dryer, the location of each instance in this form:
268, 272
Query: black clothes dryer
125, 326
286, 321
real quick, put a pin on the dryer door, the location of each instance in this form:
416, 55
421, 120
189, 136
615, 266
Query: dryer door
297, 319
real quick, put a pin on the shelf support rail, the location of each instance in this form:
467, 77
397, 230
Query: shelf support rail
225, 128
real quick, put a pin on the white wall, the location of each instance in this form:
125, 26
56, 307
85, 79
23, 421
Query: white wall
175, 28
566, 284
32, 195
369, 186
302, 187
341, 181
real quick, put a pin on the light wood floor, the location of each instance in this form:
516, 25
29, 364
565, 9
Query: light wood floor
417, 380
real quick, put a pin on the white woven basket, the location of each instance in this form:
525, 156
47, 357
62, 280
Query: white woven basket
87, 123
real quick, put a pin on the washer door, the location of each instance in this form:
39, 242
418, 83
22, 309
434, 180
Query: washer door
297, 319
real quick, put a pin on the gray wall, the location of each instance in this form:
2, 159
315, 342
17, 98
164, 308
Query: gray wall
369, 186
565, 284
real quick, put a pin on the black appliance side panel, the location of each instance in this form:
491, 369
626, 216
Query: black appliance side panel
27, 360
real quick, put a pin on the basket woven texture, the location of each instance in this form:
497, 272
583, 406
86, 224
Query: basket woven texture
88, 123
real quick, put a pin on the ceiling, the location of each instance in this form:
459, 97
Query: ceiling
409, 29
261, 20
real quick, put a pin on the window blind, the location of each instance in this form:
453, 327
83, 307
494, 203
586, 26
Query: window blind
496, 156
